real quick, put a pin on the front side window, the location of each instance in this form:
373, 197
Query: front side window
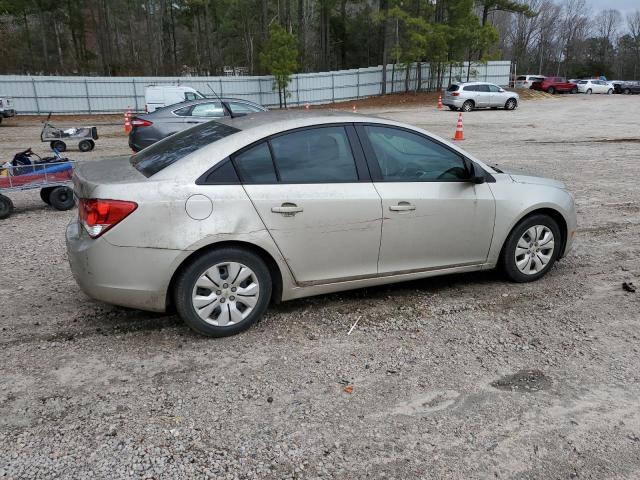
483, 88
494, 88
190, 96
314, 155
213, 109
471, 88
408, 157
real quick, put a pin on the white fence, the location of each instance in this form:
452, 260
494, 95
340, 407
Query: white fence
38, 95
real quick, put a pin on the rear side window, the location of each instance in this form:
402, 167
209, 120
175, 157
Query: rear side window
184, 111
482, 88
314, 155
160, 155
521, 78
471, 88
453, 88
255, 165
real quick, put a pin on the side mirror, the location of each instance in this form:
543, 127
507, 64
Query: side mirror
473, 176
502, 90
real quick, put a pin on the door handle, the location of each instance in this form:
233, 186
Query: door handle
192, 121
402, 207
287, 209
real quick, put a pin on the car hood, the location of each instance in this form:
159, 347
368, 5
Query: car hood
522, 176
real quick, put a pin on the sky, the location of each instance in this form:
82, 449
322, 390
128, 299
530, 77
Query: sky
624, 6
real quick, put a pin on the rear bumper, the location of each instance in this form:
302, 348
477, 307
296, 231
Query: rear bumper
453, 101
127, 276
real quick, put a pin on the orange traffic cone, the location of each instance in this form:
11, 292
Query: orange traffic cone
459, 135
127, 120
439, 102
354, 108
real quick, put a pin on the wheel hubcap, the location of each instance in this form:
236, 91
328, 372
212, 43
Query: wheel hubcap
226, 294
534, 250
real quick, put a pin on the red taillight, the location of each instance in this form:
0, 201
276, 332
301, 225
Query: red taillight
525, 82
139, 122
99, 215
455, 94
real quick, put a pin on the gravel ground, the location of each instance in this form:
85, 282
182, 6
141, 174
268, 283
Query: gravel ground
460, 377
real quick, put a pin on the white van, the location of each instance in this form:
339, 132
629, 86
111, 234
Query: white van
525, 81
6, 108
162, 95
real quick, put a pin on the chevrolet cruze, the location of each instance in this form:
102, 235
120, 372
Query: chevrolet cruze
221, 219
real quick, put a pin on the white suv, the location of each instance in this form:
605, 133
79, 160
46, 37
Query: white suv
595, 86
525, 81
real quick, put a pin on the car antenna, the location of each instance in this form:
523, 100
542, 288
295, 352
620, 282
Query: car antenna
224, 105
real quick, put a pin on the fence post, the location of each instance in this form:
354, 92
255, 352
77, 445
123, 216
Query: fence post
35, 95
220, 80
260, 91
358, 84
135, 92
86, 91
333, 88
297, 90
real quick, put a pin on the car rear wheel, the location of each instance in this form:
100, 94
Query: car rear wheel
468, 106
627, 91
531, 248
223, 292
610, 91
511, 104
551, 90
574, 90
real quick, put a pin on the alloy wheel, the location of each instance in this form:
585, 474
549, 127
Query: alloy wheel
225, 294
534, 250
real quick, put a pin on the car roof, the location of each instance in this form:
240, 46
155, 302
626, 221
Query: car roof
255, 127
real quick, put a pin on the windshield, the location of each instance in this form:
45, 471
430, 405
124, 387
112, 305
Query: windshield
168, 151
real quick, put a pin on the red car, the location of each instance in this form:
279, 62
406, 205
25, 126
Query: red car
555, 84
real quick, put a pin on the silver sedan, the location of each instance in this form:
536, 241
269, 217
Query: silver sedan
224, 218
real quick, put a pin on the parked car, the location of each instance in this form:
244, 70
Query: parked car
627, 87
159, 96
590, 86
147, 129
225, 217
471, 95
525, 81
6, 108
555, 85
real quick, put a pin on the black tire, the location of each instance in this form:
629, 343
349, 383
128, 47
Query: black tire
508, 258
452, 108
86, 145
468, 106
627, 91
59, 145
574, 90
61, 198
511, 104
610, 91
45, 193
6, 207
589, 91
189, 275
551, 90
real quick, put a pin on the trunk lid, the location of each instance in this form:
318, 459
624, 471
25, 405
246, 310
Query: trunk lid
109, 171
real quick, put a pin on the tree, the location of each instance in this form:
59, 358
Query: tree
280, 59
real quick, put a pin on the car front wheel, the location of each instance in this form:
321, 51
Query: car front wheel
223, 292
531, 248
511, 104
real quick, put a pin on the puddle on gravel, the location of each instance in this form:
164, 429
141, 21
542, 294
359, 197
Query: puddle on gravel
523, 381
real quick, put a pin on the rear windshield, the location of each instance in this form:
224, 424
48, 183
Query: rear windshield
453, 88
521, 78
162, 154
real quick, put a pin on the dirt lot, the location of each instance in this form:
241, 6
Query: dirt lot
93, 391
